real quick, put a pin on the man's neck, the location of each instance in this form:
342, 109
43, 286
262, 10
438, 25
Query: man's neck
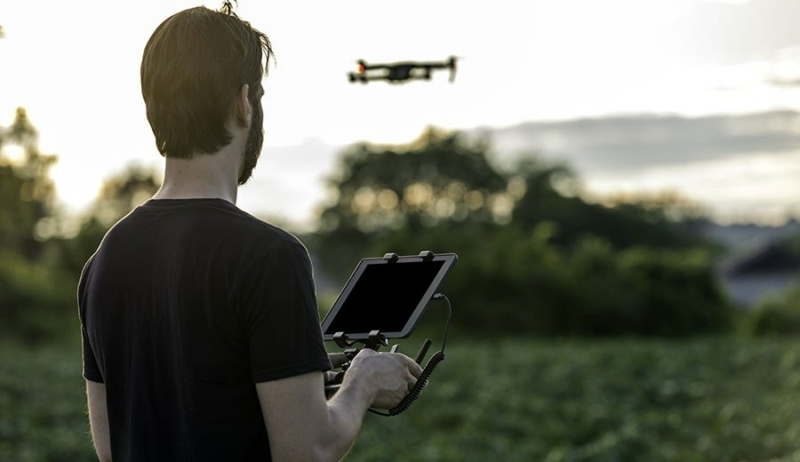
204, 176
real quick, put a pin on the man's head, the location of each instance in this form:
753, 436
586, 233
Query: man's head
193, 70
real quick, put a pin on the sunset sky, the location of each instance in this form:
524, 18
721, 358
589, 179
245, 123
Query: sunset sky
552, 64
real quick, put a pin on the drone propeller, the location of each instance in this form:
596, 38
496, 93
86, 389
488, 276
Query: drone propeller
360, 74
452, 65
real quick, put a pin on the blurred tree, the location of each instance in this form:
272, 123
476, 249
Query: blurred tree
438, 178
510, 281
535, 256
27, 194
778, 314
442, 180
550, 193
118, 195
122, 192
39, 266
31, 291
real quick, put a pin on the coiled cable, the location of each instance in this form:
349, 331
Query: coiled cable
430, 366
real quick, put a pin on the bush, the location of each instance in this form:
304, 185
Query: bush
648, 291
511, 281
775, 315
35, 299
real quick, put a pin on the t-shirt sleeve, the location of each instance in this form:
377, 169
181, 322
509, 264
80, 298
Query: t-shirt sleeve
91, 370
279, 311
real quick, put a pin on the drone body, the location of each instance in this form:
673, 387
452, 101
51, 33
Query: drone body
401, 72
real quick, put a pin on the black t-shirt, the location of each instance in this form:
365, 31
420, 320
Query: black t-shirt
187, 304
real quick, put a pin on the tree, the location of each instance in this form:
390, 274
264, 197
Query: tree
122, 192
550, 195
535, 257
118, 195
39, 269
27, 194
32, 292
439, 180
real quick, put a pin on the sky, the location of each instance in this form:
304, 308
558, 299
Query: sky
539, 66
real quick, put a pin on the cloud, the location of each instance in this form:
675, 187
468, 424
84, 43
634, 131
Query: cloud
785, 82
741, 31
288, 181
741, 167
737, 165
726, 2
634, 143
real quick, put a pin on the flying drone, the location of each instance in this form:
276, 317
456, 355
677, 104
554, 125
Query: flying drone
401, 72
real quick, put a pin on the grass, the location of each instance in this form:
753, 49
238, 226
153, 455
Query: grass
621, 400
708, 399
43, 405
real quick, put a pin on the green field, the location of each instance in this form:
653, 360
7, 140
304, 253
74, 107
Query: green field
713, 399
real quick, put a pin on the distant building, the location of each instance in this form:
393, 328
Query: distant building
767, 270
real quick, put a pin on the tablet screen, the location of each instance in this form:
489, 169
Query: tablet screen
385, 296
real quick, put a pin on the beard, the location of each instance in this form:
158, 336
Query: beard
252, 149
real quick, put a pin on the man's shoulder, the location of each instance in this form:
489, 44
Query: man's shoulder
195, 225
197, 215
269, 236
259, 240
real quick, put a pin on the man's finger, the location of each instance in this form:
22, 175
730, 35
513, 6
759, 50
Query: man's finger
414, 368
337, 359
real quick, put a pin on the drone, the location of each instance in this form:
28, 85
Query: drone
400, 72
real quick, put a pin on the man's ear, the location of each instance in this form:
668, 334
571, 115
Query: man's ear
244, 110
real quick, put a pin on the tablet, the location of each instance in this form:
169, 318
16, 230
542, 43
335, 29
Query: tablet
387, 294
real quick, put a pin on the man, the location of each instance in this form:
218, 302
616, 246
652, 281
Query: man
200, 333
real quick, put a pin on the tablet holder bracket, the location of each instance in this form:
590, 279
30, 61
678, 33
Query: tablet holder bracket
376, 339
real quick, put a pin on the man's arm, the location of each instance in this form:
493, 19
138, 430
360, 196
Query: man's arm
303, 426
98, 419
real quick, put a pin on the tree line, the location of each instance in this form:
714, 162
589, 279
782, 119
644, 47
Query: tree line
42, 251
535, 256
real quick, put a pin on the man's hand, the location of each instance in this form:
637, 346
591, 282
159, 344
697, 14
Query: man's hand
302, 425
337, 361
386, 377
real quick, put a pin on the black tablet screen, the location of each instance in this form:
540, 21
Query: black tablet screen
384, 297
